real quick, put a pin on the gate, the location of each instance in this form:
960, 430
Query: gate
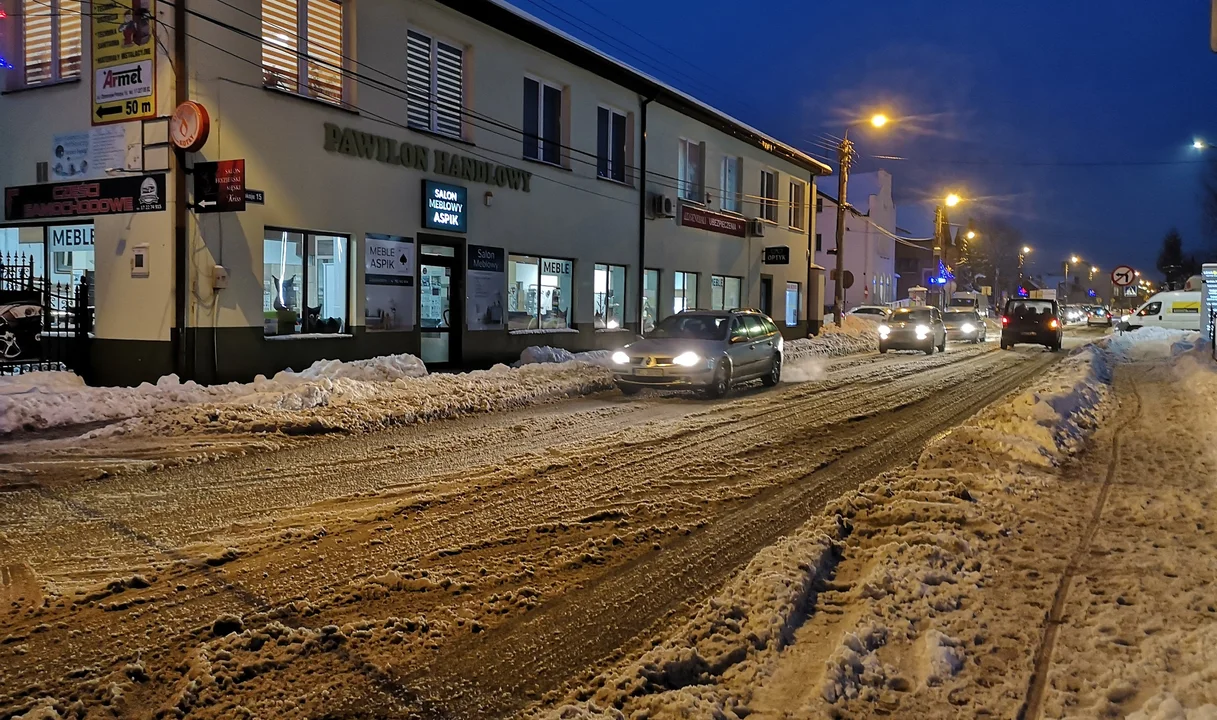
43, 325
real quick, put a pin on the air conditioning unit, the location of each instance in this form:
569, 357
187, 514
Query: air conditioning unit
756, 228
662, 206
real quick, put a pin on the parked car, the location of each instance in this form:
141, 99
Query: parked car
1176, 309
964, 325
706, 350
919, 328
872, 312
1031, 321
1099, 317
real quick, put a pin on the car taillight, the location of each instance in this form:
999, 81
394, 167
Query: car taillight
1053, 323
1005, 321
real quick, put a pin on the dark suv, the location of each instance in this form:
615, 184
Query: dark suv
1032, 321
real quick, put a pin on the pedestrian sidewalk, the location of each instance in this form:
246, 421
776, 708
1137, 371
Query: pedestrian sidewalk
1051, 557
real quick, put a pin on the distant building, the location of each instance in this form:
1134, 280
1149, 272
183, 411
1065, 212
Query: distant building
870, 250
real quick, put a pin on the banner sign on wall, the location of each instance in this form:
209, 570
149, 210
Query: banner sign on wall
486, 280
88, 155
388, 282
112, 196
124, 61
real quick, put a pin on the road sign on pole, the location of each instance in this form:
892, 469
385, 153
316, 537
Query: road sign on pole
1123, 276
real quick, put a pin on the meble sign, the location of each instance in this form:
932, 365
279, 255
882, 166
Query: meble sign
444, 206
66, 238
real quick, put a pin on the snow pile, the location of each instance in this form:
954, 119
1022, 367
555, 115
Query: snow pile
855, 336
1152, 342
547, 354
328, 396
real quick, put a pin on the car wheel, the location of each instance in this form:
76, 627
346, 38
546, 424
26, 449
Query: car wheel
1005, 346
943, 347
722, 381
627, 389
775, 372
882, 349
930, 350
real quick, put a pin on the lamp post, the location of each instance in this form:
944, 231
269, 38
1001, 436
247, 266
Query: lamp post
942, 231
845, 153
1022, 257
1074, 259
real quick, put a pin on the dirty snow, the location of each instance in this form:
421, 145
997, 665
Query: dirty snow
547, 354
926, 590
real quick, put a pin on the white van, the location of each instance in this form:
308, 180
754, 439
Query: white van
1176, 309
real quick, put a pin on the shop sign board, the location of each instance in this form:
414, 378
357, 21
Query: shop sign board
692, 216
90, 154
69, 238
112, 196
485, 281
219, 186
388, 282
777, 255
445, 207
124, 61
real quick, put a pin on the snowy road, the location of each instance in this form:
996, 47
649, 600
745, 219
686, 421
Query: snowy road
457, 569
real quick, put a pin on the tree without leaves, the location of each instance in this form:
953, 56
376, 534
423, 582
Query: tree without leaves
1171, 262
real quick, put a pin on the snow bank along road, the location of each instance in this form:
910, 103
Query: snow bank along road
453, 570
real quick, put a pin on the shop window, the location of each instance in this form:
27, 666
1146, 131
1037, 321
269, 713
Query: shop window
692, 171
305, 282
609, 287
725, 292
435, 84
302, 47
50, 36
611, 142
685, 297
542, 121
769, 195
798, 193
732, 189
22, 252
794, 299
650, 299
539, 293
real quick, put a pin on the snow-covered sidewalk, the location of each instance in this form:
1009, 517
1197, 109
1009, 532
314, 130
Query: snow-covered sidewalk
927, 592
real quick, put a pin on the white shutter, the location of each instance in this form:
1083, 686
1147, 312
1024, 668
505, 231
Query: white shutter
449, 88
69, 38
418, 79
280, 45
325, 50
36, 33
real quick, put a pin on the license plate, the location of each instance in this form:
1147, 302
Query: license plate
1029, 334
649, 372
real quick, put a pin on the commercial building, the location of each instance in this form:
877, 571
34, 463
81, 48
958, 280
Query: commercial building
340, 180
870, 248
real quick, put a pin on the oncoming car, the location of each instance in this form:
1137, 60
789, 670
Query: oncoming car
872, 312
1098, 316
964, 325
918, 328
707, 350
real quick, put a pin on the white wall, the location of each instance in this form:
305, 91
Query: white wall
870, 254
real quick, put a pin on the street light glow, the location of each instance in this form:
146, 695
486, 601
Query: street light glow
1199, 144
1074, 259
878, 120
953, 200
1094, 269
1026, 250
1137, 273
971, 234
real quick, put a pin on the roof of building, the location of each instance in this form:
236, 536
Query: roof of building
509, 19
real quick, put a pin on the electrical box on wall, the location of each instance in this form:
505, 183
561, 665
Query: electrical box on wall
139, 261
219, 277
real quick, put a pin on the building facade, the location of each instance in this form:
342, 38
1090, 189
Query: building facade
449, 179
870, 249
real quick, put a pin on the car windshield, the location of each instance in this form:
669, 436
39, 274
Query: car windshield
963, 302
692, 327
915, 315
870, 311
1028, 308
960, 317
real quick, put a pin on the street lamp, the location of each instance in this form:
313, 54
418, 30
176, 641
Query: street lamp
1022, 256
1074, 260
845, 156
971, 235
952, 200
1093, 271
1199, 144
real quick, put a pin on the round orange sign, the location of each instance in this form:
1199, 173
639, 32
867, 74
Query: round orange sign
189, 126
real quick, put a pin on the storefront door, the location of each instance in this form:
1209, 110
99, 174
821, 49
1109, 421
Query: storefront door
767, 295
439, 305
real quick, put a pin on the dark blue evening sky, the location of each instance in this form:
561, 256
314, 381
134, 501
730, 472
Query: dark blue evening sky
1002, 99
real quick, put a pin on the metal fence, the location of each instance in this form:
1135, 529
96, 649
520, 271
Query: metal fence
43, 325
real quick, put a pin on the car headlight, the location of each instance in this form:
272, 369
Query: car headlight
968, 327
922, 331
621, 358
884, 331
687, 359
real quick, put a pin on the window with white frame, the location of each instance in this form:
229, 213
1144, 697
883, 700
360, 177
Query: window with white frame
725, 292
794, 298
798, 199
692, 171
539, 293
732, 184
611, 129
542, 121
685, 295
435, 84
769, 195
50, 37
302, 47
609, 288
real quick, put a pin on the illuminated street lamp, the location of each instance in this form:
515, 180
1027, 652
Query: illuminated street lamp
952, 200
1073, 260
971, 235
845, 156
1022, 257
1199, 144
